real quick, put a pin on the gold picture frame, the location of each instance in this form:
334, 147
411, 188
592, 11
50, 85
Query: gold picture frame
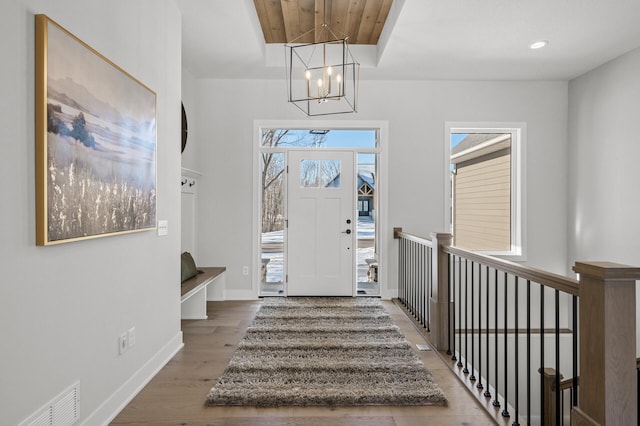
96, 142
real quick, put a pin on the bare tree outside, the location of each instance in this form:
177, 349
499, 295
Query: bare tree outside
330, 173
309, 172
273, 198
314, 173
272, 170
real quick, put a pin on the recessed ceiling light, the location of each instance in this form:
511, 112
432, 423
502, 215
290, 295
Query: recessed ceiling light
538, 44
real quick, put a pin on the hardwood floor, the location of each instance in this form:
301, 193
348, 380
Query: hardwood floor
176, 395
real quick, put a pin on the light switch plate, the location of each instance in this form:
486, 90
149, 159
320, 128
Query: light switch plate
163, 227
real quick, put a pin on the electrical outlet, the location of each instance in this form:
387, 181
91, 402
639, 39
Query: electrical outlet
123, 343
245, 270
131, 337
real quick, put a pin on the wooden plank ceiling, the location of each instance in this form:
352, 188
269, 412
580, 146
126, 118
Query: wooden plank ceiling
300, 21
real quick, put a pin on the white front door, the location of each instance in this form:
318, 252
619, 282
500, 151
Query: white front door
321, 230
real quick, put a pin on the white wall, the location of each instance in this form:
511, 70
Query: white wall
63, 307
416, 112
604, 148
604, 200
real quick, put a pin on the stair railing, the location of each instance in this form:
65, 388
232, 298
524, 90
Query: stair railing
510, 332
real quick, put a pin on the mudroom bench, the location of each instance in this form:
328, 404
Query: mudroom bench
194, 292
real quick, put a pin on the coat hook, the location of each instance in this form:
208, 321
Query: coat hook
184, 181
193, 182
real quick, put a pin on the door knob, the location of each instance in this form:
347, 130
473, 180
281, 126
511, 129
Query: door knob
348, 231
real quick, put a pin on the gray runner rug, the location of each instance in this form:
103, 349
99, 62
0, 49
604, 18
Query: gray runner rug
313, 351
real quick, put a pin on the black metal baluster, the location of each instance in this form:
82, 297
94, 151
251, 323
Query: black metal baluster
425, 296
505, 411
528, 351
574, 386
400, 270
541, 352
487, 392
557, 300
448, 304
473, 355
479, 385
403, 270
412, 280
460, 313
429, 286
409, 277
517, 375
496, 402
416, 282
423, 286
405, 276
466, 318
419, 289
562, 407
455, 304
401, 267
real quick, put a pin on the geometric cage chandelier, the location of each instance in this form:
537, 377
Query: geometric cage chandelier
322, 77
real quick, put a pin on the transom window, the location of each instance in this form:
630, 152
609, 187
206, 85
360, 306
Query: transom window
319, 138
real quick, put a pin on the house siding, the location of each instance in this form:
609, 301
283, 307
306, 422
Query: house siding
482, 200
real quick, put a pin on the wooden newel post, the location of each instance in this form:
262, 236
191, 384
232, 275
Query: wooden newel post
439, 300
396, 232
607, 391
549, 386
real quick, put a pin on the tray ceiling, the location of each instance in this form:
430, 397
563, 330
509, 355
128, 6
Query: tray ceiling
300, 21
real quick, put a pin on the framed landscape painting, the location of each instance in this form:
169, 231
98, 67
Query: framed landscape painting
95, 142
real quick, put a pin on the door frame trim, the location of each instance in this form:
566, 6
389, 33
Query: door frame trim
384, 237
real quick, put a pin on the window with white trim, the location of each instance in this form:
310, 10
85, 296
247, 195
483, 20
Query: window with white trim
486, 188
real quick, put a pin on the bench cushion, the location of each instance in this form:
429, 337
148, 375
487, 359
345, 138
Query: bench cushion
187, 267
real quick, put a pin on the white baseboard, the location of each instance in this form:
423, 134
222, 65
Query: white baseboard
240, 295
250, 295
391, 294
108, 410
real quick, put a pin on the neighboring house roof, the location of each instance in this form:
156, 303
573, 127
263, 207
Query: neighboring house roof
478, 144
363, 177
366, 174
334, 183
366, 178
473, 140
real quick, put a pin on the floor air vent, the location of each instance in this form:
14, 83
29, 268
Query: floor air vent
63, 410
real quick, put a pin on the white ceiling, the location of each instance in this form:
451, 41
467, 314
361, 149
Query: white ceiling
430, 39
